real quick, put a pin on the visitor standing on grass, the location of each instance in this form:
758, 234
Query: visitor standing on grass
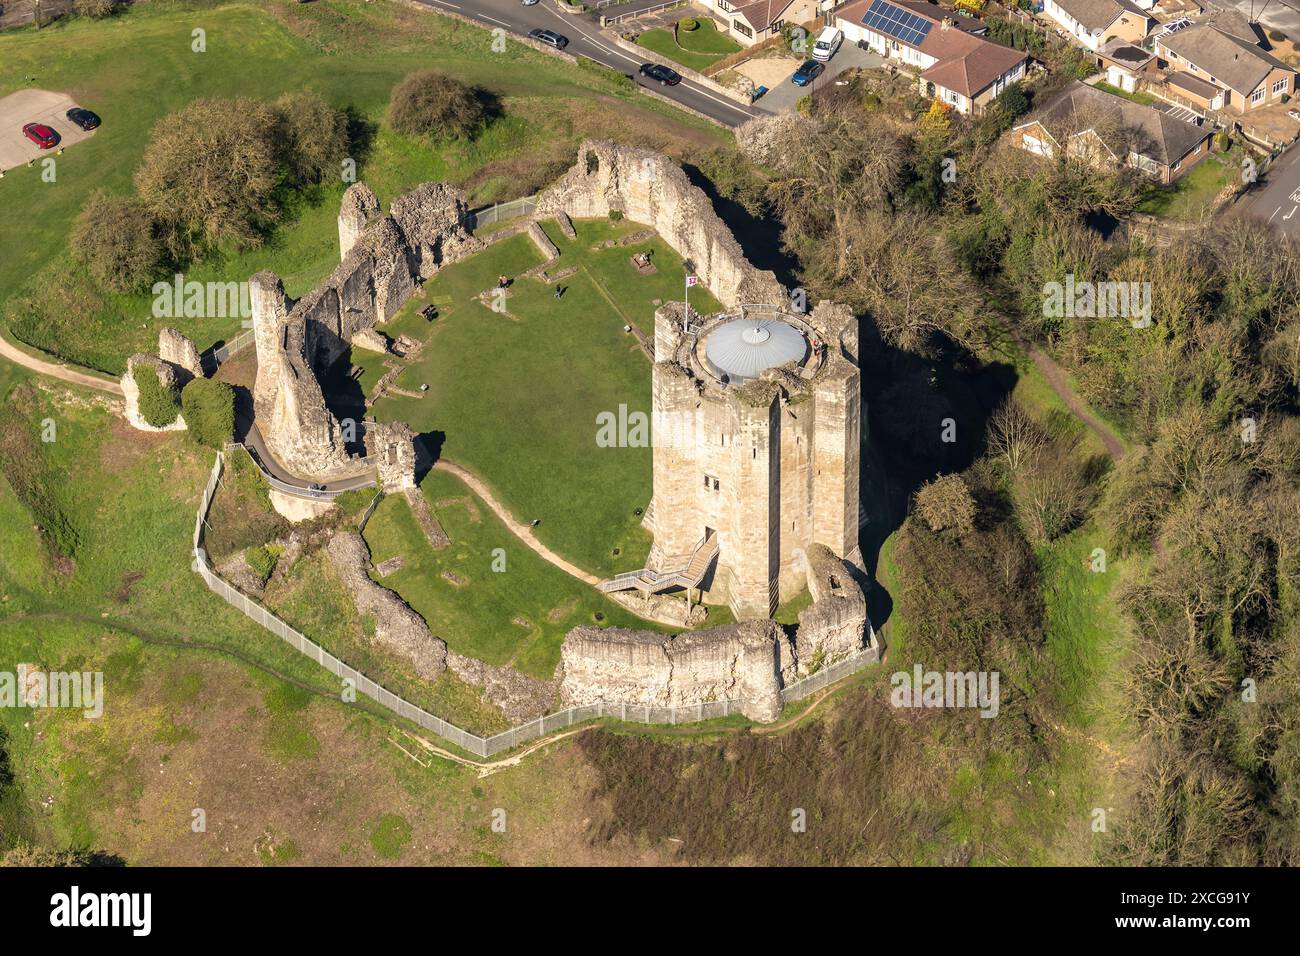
559, 291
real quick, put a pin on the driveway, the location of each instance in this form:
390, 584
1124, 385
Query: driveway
782, 97
34, 106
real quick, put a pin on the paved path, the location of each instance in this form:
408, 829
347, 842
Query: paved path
54, 370
586, 39
520, 531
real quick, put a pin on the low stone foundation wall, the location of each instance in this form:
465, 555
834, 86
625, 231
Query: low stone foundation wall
397, 627
519, 696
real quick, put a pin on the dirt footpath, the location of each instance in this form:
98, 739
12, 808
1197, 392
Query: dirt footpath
34, 106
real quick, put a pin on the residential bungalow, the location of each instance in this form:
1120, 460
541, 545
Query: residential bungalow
1094, 22
1231, 60
752, 21
955, 65
1099, 127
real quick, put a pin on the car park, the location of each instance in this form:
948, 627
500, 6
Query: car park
660, 73
810, 70
550, 38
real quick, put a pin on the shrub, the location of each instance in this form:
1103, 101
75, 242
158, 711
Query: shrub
1277, 35
1221, 141
159, 404
313, 137
210, 172
94, 9
688, 24
870, 101
114, 237
261, 561
430, 104
615, 215
1014, 100
209, 409
946, 504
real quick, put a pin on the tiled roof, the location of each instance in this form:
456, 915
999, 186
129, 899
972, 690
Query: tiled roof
1121, 124
1099, 14
1233, 62
967, 64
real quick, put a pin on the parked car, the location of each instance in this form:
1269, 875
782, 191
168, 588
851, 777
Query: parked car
41, 135
530, 3
550, 37
83, 118
827, 44
657, 71
810, 70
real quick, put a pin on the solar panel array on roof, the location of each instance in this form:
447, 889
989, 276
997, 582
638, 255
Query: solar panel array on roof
895, 22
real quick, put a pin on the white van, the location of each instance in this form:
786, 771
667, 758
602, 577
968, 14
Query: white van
827, 44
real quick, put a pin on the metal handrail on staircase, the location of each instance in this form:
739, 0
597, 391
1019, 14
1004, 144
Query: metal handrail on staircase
646, 580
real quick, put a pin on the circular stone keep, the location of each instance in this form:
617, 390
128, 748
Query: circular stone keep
745, 348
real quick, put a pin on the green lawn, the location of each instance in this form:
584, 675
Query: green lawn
516, 616
516, 397
1146, 99
1191, 196
137, 67
695, 49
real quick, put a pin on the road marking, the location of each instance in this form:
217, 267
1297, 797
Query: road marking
444, 3
495, 20
599, 46
1275, 212
1295, 195
1290, 214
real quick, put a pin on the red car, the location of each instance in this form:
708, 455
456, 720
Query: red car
41, 135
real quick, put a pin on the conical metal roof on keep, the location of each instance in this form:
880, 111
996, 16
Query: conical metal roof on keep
744, 348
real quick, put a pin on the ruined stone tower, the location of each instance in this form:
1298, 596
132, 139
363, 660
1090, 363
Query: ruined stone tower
384, 258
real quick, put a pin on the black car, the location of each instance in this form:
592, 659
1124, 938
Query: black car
810, 70
83, 118
657, 71
550, 37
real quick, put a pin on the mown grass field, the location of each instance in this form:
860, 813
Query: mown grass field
139, 66
487, 595
515, 397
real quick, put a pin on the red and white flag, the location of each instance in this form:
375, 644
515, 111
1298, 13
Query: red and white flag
692, 280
